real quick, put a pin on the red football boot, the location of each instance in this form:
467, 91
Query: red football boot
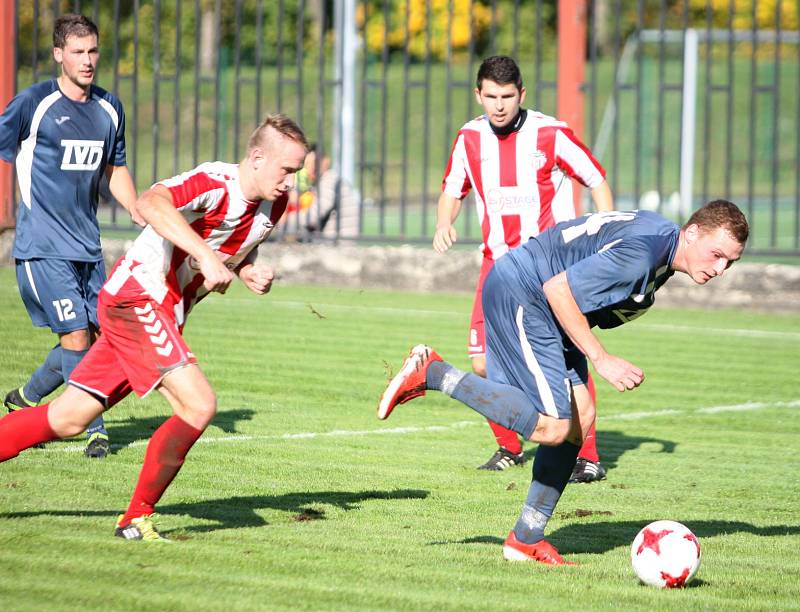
542, 551
409, 381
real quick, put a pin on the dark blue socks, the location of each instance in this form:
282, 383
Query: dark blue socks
552, 468
46, 379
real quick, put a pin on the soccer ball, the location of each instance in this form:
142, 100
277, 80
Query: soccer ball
665, 554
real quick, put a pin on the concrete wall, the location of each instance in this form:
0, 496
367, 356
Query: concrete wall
761, 287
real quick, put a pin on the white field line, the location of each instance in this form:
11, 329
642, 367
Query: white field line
658, 327
722, 331
344, 433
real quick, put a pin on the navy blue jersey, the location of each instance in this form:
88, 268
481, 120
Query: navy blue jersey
62, 148
614, 262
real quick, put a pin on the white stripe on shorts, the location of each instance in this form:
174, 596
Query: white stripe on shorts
533, 367
30, 280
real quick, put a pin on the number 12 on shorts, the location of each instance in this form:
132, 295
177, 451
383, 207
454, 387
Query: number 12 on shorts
64, 309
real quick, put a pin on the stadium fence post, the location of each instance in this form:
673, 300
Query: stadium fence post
8, 43
572, 17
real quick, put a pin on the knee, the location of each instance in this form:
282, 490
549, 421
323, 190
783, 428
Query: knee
68, 429
70, 417
479, 366
78, 340
203, 410
550, 431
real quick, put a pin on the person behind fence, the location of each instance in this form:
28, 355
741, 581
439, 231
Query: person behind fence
65, 134
541, 302
518, 163
322, 204
203, 227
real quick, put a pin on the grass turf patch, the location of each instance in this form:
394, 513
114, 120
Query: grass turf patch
298, 497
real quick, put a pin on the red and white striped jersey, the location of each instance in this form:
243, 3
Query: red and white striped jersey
211, 200
520, 180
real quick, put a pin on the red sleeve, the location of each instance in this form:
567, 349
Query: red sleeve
194, 190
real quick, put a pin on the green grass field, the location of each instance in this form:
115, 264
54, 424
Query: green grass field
299, 498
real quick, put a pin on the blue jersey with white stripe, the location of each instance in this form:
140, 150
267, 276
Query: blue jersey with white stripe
614, 262
62, 148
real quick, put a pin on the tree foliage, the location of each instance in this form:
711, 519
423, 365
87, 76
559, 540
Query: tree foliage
745, 14
427, 28
290, 31
135, 33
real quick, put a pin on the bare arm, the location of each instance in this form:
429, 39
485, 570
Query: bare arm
603, 198
155, 207
122, 188
620, 373
446, 213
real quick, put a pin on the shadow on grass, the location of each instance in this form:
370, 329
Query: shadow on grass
597, 538
611, 445
238, 512
123, 433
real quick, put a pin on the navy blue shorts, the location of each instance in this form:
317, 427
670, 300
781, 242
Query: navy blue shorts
59, 294
525, 349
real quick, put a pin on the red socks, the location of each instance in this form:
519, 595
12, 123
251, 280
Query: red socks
506, 438
589, 449
162, 461
22, 429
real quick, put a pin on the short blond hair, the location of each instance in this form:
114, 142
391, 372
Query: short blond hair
281, 124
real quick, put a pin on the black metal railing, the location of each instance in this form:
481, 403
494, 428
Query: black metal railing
196, 77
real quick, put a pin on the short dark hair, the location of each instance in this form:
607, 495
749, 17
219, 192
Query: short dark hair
72, 24
724, 214
501, 69
281, 124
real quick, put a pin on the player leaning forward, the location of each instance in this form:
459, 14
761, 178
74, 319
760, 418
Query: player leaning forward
203, 226
541, 301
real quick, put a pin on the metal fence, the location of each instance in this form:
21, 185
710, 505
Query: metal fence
684, 101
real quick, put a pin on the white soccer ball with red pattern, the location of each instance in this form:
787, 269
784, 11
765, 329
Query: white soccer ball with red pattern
665, 554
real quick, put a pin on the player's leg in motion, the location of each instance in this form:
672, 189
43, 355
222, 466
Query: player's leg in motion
552, 468
504, 404
588, 467
39, 293
194, 404
510, 407
67, 415
509, 447
74, 347
61, 295
46, 379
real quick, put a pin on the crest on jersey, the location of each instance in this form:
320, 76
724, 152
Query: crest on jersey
539, 159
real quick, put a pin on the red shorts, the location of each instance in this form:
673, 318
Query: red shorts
476, 346
140, 343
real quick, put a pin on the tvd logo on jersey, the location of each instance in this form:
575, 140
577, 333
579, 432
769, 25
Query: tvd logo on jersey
81, 154
510, 200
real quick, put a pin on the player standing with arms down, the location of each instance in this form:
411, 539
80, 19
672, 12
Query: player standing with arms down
203, 226
65, 134
541, 301
519, 163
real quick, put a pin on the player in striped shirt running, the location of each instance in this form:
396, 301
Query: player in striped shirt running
518, 164
204, 226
